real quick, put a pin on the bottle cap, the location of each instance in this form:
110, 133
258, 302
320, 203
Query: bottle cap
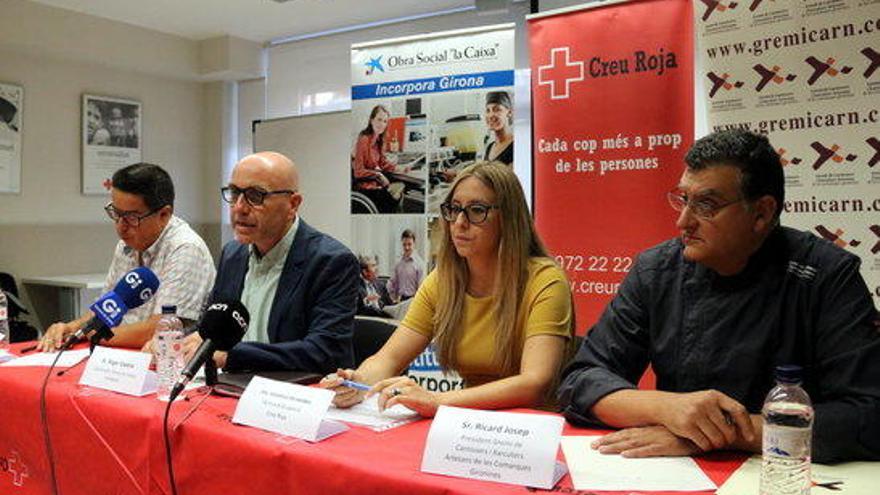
169, 309
789, 373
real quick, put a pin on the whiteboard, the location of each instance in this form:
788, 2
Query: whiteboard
320, 146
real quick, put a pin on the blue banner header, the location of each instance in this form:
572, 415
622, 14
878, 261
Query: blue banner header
459, 82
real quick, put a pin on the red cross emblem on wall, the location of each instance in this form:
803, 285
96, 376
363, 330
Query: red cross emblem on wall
560, 73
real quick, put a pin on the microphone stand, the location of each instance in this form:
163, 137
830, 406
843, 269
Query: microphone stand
210, 373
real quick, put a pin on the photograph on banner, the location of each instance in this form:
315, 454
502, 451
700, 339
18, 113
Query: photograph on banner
467, 127
418, 110
613, 117
111, 139
388, 156
391, 252
11, 111
806, 74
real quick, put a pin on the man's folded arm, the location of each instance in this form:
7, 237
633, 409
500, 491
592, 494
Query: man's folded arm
847, 378
613, 357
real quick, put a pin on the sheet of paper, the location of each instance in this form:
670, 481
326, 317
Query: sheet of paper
849, 478
591, 470
367, 414
68, 359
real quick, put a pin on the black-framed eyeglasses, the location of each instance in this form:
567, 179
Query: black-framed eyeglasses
476, 213
704, 207
129, 218
253, 195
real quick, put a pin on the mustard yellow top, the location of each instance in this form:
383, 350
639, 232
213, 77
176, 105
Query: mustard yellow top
547, 309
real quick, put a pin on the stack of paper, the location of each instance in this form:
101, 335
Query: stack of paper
68, 359
367, 414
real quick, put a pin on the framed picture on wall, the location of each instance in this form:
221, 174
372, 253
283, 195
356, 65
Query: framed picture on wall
111, 139
11, 110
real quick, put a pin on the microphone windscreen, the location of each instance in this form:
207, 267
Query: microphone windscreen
137, 286
224, 323
109, 309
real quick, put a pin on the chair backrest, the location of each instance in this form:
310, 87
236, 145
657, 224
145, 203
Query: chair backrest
370, 334
10, 288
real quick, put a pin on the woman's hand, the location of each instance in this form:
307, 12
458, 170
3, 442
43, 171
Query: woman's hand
402, 390
345, 396
383, 180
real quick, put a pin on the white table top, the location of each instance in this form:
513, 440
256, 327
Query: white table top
82, 281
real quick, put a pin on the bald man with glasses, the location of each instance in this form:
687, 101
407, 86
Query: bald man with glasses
150, 235
298, 284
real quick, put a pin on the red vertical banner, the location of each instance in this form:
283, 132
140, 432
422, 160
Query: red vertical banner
612, 92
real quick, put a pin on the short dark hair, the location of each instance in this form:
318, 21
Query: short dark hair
408, 234
751, 153
499, 98
151, 182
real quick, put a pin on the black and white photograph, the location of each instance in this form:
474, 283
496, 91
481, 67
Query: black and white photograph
111, 138
11, 108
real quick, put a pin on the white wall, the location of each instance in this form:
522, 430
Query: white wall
56, 55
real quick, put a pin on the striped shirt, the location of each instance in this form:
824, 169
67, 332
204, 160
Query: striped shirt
183, 264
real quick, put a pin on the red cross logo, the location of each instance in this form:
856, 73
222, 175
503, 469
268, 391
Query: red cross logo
560, 73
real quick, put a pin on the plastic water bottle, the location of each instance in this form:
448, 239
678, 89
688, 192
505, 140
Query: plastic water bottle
168, 344
788, 430
4, 321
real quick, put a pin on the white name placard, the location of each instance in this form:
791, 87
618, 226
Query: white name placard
126, 372
288, 409
514, 448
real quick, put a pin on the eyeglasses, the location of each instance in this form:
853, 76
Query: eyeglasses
704, 207
254, 196
129, 218
476, 213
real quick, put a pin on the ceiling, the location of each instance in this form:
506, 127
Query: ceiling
255, 20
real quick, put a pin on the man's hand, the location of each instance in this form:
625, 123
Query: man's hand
190, 344
648, 441
708, 418
220, 359
54, 336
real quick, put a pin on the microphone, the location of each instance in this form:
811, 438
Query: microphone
223, 325
132, 290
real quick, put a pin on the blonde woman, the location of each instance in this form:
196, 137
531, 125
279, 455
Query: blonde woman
497, 307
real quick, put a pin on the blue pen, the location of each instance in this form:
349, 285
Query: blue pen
356, 385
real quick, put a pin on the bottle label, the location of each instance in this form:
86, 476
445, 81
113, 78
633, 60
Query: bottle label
4, 313
785, 441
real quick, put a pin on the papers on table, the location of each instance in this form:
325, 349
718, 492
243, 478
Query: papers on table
591, 470
68, 359
367, 414
850, 478
5, 355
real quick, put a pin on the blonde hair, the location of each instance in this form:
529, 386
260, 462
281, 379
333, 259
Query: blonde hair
519, 242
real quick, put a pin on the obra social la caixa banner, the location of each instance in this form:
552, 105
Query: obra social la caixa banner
613, 117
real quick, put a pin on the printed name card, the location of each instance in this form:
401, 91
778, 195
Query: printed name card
288, 409
126, 372
514, 448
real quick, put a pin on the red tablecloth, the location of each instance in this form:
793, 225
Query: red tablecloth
107, 443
